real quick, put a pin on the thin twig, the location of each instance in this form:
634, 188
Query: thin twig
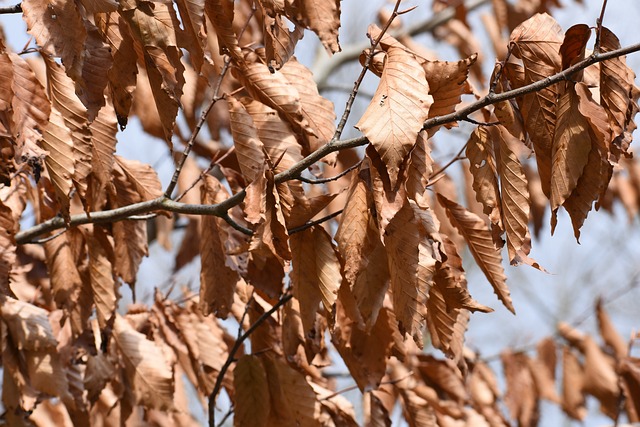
16, 8
355, 387
294, 171
476, 122
316, 222
332, 178
434, 176
212, 164
599, 21
235, 225
50, 238
226, 417
232, 354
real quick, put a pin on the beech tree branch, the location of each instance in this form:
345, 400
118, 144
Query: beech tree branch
16, 8
220, 209
232, 354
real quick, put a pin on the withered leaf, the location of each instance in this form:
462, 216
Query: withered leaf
252, 402
398, 109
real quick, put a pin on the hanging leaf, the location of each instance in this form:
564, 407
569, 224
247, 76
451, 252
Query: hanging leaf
397, 111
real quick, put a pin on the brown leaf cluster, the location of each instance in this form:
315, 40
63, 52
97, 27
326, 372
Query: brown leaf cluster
378, 285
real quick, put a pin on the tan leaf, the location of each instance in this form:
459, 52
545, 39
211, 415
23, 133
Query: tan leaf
251, 406
103, 131
317, 110
154, 28
217, 279
63, 271
608, 332
293, 401
97, 6
409, 295
537, 42
316, 273
249, 148
60, 160
58, 28
630, 377
104, 287
275, 91
223, 24
617, 93
480, 242
280, 42
364, 352
597, 171
397, 111
278, 138
263, 208
94, 75
339, 408
515, 203
447, 83
31, 110
142, 177
521, 396
65, 101
8, 228
573, 399
122, 76
194, 35
322, 17
419, 170
28, 325
99, 372
149, 371
574, 44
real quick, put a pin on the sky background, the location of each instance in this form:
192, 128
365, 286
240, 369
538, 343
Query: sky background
606, 263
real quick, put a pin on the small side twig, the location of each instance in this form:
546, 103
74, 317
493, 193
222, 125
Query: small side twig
316, 222
599, 21
435, 176
332, 178
232, 354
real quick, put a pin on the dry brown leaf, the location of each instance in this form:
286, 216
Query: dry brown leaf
597, 171
364, 352
103, 286
573, 399
8, 230
521, 396
514, 194
275, 91
419, 170
447, 83
316, 273
617, 95
142, 177
609, 333
252, 402
408, 255
194, 36
483, 167
217, 279
96, 64
317, 110
293, 401
221, 17
60, 163
65, 101
103, 131
149, 371
155, 29
397, 111
478, 237
537, 42
58, 28
573, 46
278, 138
322, 17
249, 148
280, 42
122, 76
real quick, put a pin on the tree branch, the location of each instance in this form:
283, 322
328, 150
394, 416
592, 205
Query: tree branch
220, 209
16, 8
232, 354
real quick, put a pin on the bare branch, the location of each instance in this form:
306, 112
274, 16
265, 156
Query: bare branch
316, 222
16, 8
